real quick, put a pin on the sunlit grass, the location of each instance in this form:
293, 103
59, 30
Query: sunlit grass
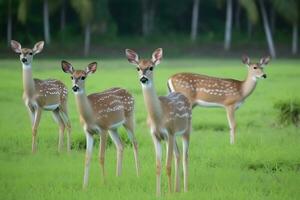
264, 164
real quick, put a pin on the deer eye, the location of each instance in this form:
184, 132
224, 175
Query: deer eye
72, 77
151, 68
83, 77
254, 67
138, 69
30, 53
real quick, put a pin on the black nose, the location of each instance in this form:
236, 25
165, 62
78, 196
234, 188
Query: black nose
24, 60
143, 79
264, 76
75, 88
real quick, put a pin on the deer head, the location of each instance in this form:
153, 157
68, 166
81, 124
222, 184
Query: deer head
78, 76
145, 67
26, 55
256, 70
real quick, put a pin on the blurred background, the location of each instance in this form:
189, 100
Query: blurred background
188, 28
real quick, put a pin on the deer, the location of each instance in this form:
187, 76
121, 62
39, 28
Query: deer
168, 117
102, 113
208, 91
40, 95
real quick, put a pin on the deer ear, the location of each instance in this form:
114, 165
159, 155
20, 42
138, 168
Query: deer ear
246, 60
67, 67
16, 46
132, 57
157, 56
264, 61
38, 47
91, 68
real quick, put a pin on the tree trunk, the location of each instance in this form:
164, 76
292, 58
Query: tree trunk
273, 21
195, 14
249, 29
267, 29
46, 22
148, 12
151, 19
87, 39
63, 15
145, 18
238, 17
295, 39
9, 23
228, 25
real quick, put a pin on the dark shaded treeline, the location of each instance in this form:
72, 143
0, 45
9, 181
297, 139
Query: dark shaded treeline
224, 26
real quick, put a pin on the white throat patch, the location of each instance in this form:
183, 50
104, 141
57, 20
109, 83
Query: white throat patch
26, 66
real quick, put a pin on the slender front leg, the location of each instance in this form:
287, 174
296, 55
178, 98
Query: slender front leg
158, 153
135, 149
61, 129
102, 146
68, 125
88, 156
231, 121
116, 139
185, 152
177, 163
35, 125
170, 145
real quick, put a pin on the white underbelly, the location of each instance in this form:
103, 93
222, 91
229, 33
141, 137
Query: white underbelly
51, 107
116, 125
238, 104
180, 133
208, 104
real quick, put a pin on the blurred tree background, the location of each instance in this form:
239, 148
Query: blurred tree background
184, 27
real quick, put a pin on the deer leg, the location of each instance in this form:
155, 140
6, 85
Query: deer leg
177, 163
31, 113
185, 146
158, 153
102, 146
61, 129
64, 115
231, 121
119, 146
35, 125
88, 156
135, 148
170, 145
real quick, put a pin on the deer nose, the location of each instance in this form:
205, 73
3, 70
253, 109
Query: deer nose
24, 60
264, 75
75, 88
143, 79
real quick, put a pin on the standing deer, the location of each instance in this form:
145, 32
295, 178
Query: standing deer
168, 117
101, 113
42, 95
210, 91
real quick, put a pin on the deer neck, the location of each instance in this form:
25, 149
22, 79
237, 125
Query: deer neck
152, 103
84, 106
248, 85
28, 83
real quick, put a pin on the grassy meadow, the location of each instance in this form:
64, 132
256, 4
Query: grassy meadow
263, 164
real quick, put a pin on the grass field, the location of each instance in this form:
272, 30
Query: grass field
263, 164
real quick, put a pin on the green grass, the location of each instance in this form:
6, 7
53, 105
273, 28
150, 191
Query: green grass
263, 164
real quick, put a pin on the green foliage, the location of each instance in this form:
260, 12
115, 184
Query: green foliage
22, 11
251, 9
288, 9
84, 8
289, 112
